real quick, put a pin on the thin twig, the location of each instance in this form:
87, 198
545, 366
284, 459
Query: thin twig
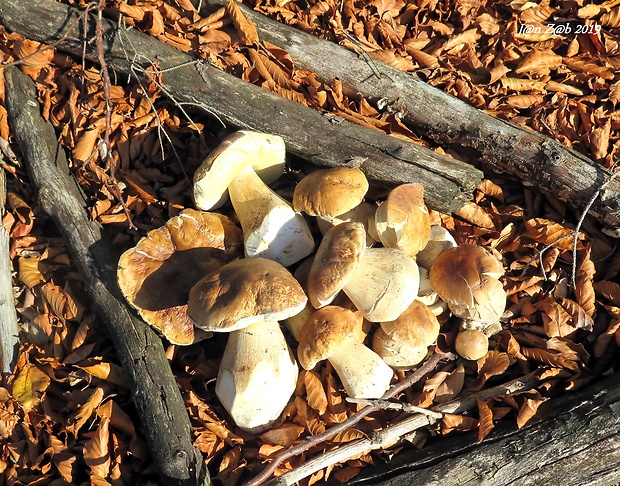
393, 433
387, 405
427, 367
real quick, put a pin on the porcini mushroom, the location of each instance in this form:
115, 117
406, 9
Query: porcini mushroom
439, 240
333, 333
471, 344
466, 278
156, 275
271, 228
330, 192
404, 342
258, 372
402, 221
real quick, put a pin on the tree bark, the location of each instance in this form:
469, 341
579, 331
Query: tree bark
313, 136
162, 412
9, 328
573, 440
497, 144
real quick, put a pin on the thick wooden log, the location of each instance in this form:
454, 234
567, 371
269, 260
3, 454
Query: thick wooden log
313, 136
497, 144
163, 416
573, 440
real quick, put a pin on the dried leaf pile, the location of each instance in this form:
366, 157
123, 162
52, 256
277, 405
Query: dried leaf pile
66, 414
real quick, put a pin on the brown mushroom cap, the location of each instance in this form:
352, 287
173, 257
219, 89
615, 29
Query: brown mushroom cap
466, 278
330, 192
402, 220
156, 275
335, 262
324, 332
471, 344
417, 326
244, 292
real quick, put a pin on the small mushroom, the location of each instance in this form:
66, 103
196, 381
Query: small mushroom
466, 278
258, 372
403, 343
362, 213
157, 274
271, 228
402, 221
471, 344
333, 333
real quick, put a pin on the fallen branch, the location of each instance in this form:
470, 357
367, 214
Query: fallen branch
393, 433
309, 134
497, 144
9, 328
161, 409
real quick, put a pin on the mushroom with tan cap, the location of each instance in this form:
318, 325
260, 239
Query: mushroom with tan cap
156, 275
471, 344
334, 333
381, 282
466, 278
239, 167
258, 372
402, 220
404, 343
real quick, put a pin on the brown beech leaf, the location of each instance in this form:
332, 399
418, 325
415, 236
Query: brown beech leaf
85, 147
581, 320
347, 435
492, 364
556, 320
584, 283
538, 13
248, 36
604, 340
585, 65
537, 59
96, 451
231, 466
548, 232
29, 271
552, 359
61, 304
563, 88
525, 101
518, 84
85, 411
608, 290
315, 393
285, 435
336, 405
460, 423
528, 410
452, 385
476, 215
107, 371
486, 419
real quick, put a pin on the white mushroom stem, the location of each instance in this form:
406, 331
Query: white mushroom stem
271, 228
440, 240
296, 322
257, 376
384, 284
362, 371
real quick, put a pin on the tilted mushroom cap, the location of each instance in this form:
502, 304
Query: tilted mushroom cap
439, 241
402, 220
156, 275
245, 292
263, 152
404, 342
330, 192
336, 334
335, 262
324, 332
362, 213
466, 278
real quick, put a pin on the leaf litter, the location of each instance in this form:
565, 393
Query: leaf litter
66, 413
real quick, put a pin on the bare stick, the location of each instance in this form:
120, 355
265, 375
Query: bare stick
427, 367
393, 433
387, 405
9, 328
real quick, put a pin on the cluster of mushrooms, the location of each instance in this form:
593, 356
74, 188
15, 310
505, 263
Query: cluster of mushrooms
373, 268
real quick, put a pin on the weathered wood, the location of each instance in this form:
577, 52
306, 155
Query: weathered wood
313, 136
9, 328
497, 144
163, 416
573, 440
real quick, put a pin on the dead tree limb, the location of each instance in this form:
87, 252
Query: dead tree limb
573, 439
162, 412
497, 144
309, 134
9, 329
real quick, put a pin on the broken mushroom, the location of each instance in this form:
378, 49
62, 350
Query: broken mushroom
271, 228
258, 372
156, 275
334, 333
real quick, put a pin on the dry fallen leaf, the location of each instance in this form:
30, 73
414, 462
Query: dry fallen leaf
30, 385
